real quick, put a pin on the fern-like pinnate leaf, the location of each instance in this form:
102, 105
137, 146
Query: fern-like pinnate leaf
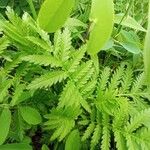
120, 140
127, 80
142, 118
65, 45
85, 78
57, 43
5, 85
62, 45
17, 94
120, 96
82, 70
104, 79
9, 66
62, 121
88, 88
116, 78
40, 42
44, 60
106, 133
3, 44
88, 131
131, 144
73, 64
143, 137
138, 84
48, 80
96, 136
67, 99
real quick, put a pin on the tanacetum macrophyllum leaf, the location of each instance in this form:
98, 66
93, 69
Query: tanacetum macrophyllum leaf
102, 17
54, 13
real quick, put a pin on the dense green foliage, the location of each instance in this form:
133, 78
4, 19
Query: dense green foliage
77, 79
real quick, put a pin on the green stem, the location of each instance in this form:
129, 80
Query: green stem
125, 15
146, 53
32, 8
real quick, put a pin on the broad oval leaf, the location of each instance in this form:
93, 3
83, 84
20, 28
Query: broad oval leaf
54, 13
16, 146
30, 115
73, 141
102, 15
131, 47
147, 51
5, 120
45, 147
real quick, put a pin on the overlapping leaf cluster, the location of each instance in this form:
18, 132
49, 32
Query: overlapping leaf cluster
46, 81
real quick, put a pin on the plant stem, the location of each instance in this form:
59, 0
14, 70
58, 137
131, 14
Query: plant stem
125, 15
32, 8
147, 52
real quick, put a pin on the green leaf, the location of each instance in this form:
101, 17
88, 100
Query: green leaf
62, 121
40, 42
30, 115
19, 125
44, 60
88, 131
54, 13
73, 141
147, 51
44, 147
48, 79
77, 59
138, 120
73, 22
66, 99
17, 94
120, 141
96, 136
131, 47
3, 3
128, 22
106, 133
3, 44
102, 16
5, 120
4, 86
109, 44
16, 146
